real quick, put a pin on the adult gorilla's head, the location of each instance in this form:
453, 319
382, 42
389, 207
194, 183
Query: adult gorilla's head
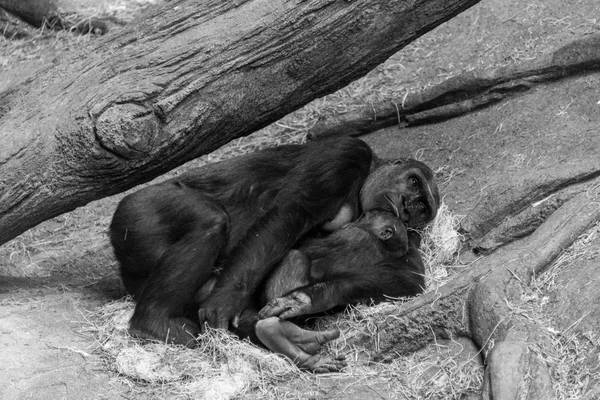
404, 187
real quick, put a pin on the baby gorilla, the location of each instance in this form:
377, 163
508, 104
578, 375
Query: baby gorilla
372, 257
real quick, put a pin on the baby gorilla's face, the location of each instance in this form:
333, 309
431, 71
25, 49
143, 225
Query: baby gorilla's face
387, 227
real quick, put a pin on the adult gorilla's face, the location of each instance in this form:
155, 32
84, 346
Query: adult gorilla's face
405, 188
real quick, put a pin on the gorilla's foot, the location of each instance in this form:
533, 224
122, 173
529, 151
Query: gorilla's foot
299, 345
167, 330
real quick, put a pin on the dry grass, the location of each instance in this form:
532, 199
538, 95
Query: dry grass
119, 11
440, 247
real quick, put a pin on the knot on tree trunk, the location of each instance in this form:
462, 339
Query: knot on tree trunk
129, 131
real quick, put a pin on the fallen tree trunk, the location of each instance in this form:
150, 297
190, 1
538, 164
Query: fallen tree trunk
187, 80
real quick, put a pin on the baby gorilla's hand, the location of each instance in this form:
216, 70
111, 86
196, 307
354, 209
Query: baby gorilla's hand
294, 304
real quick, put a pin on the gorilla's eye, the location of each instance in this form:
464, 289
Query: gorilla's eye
414, 183
386, 234
421, 207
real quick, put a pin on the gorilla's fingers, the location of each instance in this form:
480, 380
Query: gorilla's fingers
326, 365
202, 317
273, 309
236, 321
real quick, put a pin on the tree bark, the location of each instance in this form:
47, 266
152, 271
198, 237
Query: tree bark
190, 78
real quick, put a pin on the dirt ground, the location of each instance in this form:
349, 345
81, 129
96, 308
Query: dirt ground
54, 277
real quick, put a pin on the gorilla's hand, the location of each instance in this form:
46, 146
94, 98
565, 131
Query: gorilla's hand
294, 304
219, 311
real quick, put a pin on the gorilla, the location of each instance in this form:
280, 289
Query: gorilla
196, 249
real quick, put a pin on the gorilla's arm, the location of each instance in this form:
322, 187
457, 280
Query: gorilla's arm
324, 179
395, 277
